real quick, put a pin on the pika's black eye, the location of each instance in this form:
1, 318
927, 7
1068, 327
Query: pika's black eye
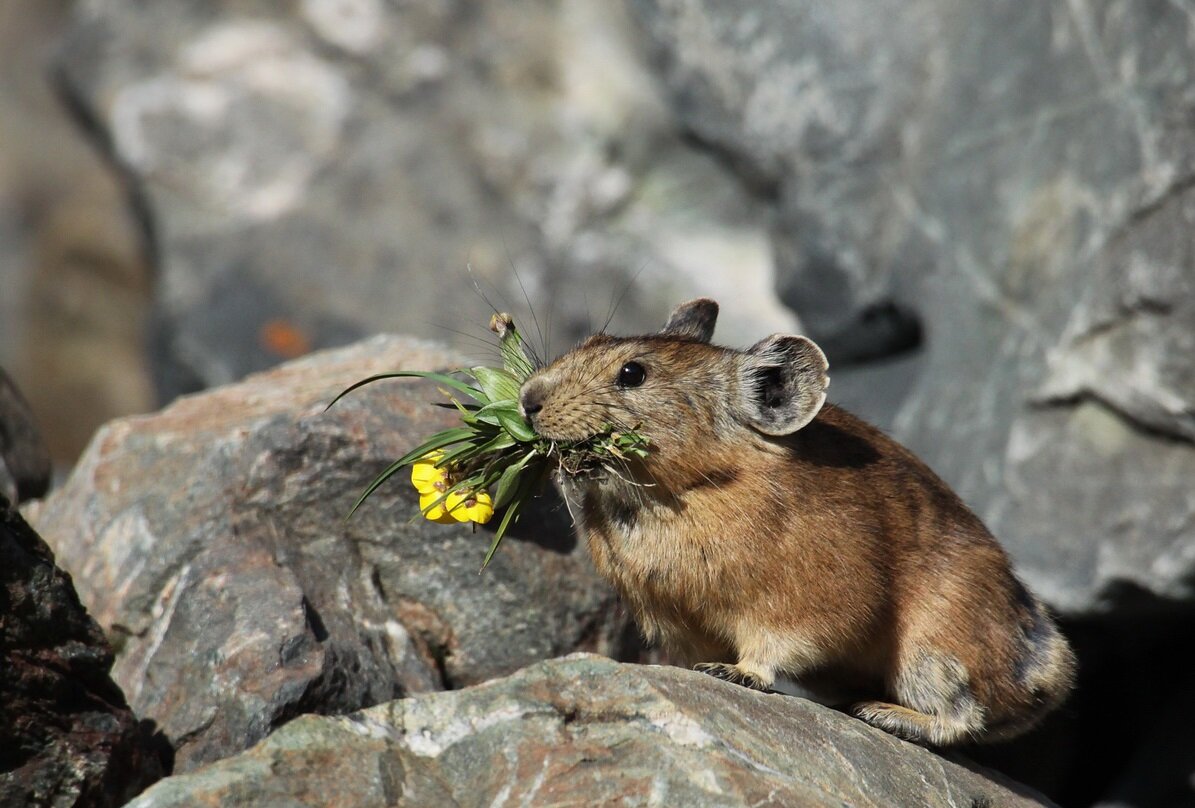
632, 374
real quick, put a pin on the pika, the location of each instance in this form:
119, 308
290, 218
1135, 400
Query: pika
769, 534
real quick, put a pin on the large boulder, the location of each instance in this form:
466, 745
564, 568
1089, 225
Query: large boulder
1020, 181
319, 171
588, 731
68, 737
210, 538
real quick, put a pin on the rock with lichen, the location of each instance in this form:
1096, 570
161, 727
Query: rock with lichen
588, 731
210, 539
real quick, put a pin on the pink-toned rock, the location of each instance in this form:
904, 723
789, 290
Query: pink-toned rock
210, 538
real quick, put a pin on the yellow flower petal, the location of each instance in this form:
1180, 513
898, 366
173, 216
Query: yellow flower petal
475, 507
433, 512
483, 511
426, 477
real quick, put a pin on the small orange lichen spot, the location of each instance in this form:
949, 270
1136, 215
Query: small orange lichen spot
284, 339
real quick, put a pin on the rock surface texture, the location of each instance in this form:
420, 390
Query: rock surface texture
1007, 188
24, 461
318, 171
67, 737
211, 537
1021, 180
588, 731
1014, 186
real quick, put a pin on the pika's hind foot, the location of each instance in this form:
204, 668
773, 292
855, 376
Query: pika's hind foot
911, 725
733, 674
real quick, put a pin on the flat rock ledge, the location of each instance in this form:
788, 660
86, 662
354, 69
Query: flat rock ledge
584, 730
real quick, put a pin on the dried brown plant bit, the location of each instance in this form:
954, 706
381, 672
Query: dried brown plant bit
501, 323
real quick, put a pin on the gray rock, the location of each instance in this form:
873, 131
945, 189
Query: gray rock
588, 731
321, 171
1019, 181
69, 738
210, 537
24, 460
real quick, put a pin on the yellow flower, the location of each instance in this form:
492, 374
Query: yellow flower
431, 483
473, 507
426, 477
433, 512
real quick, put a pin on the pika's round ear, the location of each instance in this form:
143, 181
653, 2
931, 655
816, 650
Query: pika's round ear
782, 384
693, 320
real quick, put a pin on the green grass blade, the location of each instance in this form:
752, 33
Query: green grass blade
381, 478
437, 441
527, 486
456, 384
506, 520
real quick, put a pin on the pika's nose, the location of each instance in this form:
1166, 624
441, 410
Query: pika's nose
531, 397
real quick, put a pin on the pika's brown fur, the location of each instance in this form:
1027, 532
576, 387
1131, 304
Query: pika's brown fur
768, 535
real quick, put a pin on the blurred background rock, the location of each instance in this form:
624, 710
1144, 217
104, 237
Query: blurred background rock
983, 210
74, 284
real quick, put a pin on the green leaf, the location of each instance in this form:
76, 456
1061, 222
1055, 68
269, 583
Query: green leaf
498, 385
513, 423
514, 359
501, 441
458, 454
507, 483
456, 384
510, 344
526, 488
508, 404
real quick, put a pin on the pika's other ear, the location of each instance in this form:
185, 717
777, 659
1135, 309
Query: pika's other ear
782, 384
693, 320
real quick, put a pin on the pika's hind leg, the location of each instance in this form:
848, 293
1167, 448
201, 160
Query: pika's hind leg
937, 704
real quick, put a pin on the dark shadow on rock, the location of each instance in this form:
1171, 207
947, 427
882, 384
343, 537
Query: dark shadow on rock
545, 521
24, 459
882, 331
69, 736
1124, 736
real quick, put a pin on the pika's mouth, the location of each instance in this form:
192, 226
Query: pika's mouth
549, 426
608, 452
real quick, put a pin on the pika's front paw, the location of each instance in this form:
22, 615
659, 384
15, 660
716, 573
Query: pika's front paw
733, 674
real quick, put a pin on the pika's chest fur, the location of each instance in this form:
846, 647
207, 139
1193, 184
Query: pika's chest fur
694, 560
809, 535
